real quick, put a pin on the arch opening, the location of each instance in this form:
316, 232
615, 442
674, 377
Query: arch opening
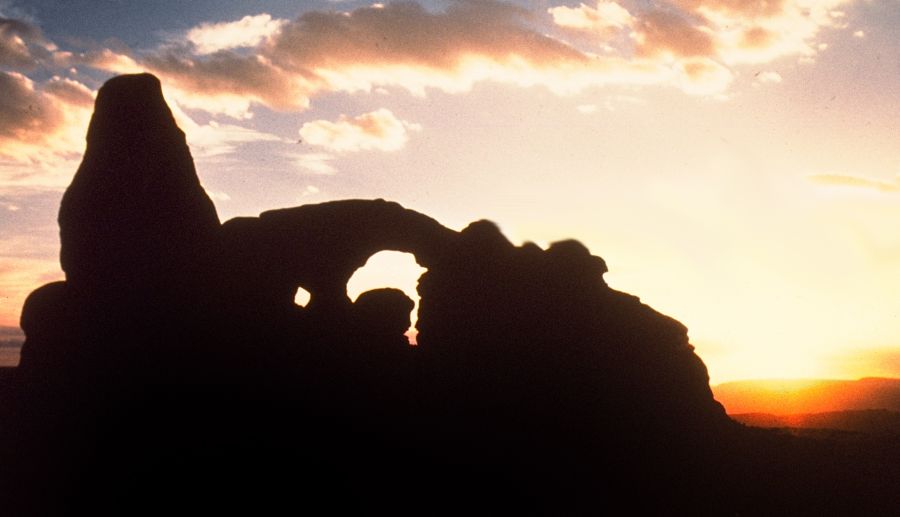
301, 297
389, 269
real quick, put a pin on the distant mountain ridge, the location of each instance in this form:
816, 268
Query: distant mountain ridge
11, 339
806, 396
11, 334
874, 422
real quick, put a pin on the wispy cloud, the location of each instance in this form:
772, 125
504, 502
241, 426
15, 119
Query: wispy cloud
316, 163
216, 139
841, 180
768, 77
217, 195
377, 130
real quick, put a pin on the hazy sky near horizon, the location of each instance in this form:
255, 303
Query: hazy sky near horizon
736, 163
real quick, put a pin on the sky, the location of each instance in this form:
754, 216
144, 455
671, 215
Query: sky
736, 163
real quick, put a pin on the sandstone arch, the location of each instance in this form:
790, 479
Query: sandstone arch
319, 247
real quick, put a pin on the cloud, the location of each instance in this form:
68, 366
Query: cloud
763, 31
729, 31
769, 77
21, 44
605, 17
41, 125
228, 83
316, 163
217, 195
672, 34
249, 31
227, 68
702, 76
404, 45
216, 139
377, 130
840, 180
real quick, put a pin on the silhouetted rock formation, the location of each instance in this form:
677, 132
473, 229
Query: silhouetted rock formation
135, 216
172, 366
384, 313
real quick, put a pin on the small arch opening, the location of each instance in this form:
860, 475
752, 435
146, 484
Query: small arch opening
301, 297
390, 269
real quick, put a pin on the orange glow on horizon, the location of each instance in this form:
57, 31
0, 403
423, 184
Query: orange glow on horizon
806, 396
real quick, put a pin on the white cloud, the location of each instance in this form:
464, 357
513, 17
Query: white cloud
217, 195
316, 163
769, 77
215, 139
249, 31
377, 130
310, 190
606, 16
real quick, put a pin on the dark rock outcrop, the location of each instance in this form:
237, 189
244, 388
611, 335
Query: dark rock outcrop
384, 314
135, 216
172, 366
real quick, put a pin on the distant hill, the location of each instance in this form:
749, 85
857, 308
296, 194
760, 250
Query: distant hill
874, 422
804, 397
11, 339
11, 334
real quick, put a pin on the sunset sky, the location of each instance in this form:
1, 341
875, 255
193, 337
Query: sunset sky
736, 163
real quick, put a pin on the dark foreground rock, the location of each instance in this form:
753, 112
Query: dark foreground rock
172, 373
